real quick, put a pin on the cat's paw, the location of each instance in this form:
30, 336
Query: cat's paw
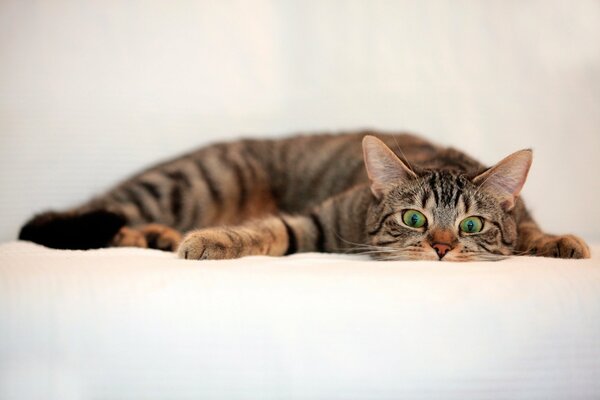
161, 237
210, 244
154, 236
566, 246
129, 237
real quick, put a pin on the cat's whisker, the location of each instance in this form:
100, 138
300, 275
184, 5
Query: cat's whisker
357, 245
408, 163
528, 252
363, 249
481, 256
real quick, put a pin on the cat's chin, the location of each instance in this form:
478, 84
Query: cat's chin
465, 257
401, 255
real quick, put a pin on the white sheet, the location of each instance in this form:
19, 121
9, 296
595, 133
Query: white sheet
133, 324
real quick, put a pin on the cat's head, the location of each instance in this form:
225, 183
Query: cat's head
441, 214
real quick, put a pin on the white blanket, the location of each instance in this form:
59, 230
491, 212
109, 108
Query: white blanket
142, 324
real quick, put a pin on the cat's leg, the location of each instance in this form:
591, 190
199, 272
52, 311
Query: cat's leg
336, 225
215, 186
532, 241
271, 236
266, 236
154, 236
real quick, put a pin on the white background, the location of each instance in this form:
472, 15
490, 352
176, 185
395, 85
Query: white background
92, 91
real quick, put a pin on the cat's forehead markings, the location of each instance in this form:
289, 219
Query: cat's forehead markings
445, 216
461, 206
427, 200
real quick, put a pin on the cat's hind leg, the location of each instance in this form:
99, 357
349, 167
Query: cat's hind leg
154, 236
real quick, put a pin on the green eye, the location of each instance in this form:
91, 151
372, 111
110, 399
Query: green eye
471, 225
414, 218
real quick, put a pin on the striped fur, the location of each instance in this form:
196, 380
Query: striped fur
305, 193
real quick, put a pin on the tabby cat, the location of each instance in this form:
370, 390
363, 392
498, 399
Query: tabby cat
414, 201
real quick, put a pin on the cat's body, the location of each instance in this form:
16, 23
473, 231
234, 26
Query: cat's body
313, 193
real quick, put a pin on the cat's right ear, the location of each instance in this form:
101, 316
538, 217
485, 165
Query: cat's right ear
384, 168
506, 179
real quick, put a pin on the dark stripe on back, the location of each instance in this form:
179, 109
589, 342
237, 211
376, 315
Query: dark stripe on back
176, 201
320, 239
241, 184
211, 183
331, 163
151, 188
132, 196
227, 162
292, 240
179, 177
193, 220
250, 162
181, 182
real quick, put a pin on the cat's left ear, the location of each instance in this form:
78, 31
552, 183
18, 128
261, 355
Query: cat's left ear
384, 168
506, 179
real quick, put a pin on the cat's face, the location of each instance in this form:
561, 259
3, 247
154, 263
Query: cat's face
441, 215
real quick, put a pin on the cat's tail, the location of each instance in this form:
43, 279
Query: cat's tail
78, 230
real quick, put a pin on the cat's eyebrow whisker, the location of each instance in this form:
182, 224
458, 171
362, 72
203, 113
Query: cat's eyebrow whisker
414, 190
409, 165
403, 155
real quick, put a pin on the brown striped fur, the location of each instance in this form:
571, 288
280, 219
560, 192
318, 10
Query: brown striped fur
312, 193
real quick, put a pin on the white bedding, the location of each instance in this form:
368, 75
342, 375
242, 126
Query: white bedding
141, 324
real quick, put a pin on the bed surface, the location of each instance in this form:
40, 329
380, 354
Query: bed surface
141, 324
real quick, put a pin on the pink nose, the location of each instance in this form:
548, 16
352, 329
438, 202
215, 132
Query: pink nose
441, 249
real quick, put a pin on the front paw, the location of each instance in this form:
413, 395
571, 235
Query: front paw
209, 244
567, 246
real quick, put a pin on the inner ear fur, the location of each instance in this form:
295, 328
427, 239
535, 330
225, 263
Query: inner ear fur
384, 168
506, 179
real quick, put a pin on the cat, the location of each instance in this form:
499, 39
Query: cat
396, 197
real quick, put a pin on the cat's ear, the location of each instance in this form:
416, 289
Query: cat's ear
384, 168
506, 179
